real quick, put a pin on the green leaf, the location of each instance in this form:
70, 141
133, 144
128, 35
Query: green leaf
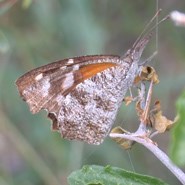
98, 175
177, 149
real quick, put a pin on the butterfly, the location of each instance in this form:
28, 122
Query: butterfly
82, 95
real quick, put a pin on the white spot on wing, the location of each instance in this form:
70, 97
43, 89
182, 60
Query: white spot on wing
76, 67
63, 67
39, 77
68, 81
70, 61
45, 87
67, 99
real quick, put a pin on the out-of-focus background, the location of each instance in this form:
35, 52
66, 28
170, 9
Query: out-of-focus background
34, 33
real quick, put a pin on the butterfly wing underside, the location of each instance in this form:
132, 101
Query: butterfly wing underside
82, 95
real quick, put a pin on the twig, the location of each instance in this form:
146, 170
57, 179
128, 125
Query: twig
149, 144
147, 104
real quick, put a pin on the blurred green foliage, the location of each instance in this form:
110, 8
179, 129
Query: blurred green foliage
33, 33
177, 147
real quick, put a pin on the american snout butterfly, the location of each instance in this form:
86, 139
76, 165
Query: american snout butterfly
82, 95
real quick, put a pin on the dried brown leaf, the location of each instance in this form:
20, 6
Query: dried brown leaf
124, 143
139, 110
158, 121
128, 100
148, 73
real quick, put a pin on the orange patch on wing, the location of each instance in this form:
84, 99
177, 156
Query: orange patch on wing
92, 69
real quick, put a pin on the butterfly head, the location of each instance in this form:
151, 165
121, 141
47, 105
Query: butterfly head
133, 55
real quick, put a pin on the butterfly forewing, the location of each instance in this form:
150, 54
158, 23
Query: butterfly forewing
39, 80
82, 95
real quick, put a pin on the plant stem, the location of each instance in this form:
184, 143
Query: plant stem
150, 145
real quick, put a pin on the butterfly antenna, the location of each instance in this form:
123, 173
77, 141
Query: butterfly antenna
146, 27
162, 20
